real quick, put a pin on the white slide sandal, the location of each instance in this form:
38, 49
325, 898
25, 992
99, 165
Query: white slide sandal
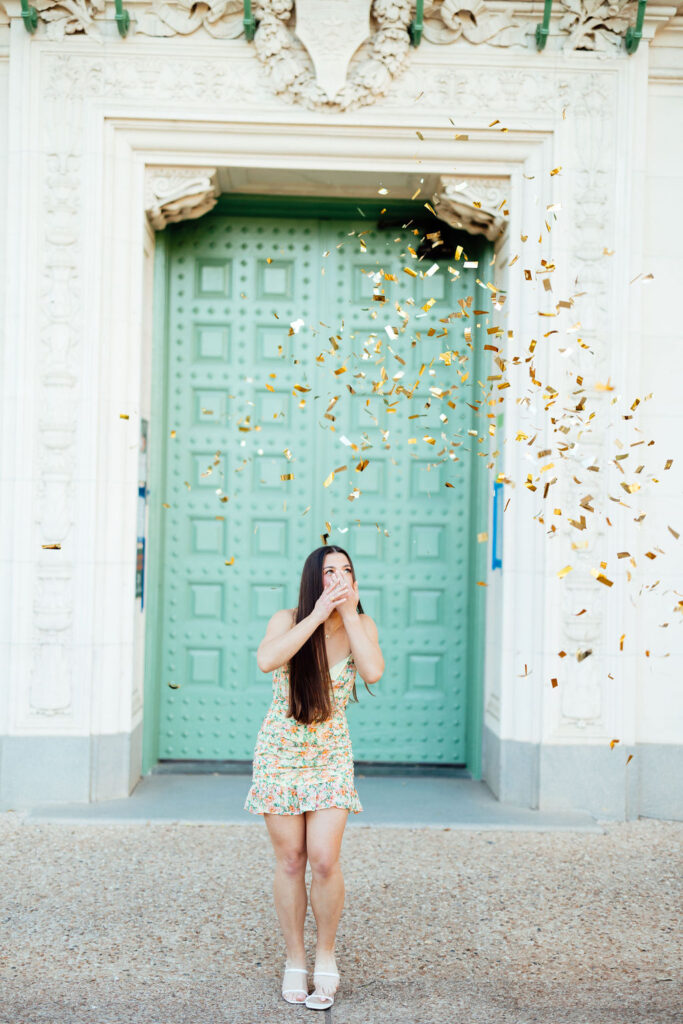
321, 1002
293, 991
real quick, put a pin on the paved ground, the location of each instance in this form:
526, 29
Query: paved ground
175, 924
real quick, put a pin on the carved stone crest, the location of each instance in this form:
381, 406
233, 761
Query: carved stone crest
332, 31
376, 60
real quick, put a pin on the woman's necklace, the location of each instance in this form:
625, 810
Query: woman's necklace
328, 635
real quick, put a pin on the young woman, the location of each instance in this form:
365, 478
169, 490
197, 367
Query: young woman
303, 781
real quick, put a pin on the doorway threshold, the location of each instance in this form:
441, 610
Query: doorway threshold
389, 801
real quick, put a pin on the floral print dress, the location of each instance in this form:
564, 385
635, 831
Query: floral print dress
299, 767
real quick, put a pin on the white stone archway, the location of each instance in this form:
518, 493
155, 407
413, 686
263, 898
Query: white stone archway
95, 118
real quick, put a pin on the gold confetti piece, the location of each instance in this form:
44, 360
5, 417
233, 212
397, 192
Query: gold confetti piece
173, 433
553, 682
420, 135
629, 758
480, 583
672, 531
165, 504
650, 554
564, 572
328, 480
286, 476
494, 122
603, 579
124, 416
562, 654
555, 170
481, 537
416, 194
612, 744
51, 547
668, 464
231, 561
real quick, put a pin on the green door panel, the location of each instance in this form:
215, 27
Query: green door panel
249, 400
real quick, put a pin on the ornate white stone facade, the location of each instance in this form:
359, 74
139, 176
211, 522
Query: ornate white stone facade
103, 134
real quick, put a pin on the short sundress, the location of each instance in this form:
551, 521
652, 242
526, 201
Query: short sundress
299, 767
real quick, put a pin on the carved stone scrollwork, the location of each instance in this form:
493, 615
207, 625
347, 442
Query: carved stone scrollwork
472, 204
67, 17
222, 19
446, 21
597, 24
179, 193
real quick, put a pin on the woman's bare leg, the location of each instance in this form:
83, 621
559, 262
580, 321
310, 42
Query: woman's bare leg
288, 836
324, 831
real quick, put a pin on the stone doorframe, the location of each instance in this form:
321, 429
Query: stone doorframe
73, 668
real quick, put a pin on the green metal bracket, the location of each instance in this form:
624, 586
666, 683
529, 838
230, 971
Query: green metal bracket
417, 24
122, 18
543, 30
249, 21
635, 34
30, 16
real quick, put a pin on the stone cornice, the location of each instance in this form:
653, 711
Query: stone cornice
530, 11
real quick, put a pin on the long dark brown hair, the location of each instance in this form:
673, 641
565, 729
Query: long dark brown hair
310, 683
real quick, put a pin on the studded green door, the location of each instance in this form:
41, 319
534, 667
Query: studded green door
307, 391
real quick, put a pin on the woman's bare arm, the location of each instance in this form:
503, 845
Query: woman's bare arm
282, 640
363, 637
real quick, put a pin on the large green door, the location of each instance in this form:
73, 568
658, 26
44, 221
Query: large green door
249, 400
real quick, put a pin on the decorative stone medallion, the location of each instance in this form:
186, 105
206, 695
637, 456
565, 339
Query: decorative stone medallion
332, 31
